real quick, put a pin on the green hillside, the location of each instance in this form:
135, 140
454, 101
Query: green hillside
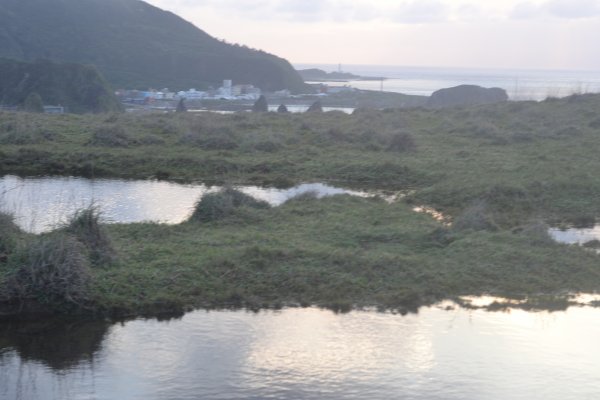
78, 87
134, 45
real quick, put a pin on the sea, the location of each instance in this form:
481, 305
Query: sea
520, 84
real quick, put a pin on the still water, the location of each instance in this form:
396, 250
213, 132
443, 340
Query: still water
40, 204
308, 354
519, 84
575, 235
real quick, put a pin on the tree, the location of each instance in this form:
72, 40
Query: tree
181, 107
33, 103
261, 105
282, 109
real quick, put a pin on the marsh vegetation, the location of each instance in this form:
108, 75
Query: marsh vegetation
500, 174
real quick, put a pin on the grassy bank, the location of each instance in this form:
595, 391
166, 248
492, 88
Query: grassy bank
337, 252
501, 173
521, 159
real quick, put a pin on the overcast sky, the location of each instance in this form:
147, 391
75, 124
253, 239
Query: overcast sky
546, 34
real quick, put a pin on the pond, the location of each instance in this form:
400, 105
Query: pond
308, 354
578, 236
40, 204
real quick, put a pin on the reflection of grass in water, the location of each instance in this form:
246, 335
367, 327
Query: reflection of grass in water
61, 345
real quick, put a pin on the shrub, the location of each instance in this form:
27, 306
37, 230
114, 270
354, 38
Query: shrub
222, 204
8, 233
212, 138
152, 140
402, 142
593, 244
111, 136
52, 270
537, 232
85, 226
475, 218
595, 124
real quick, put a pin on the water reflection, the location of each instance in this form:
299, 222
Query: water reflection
40, 204
59, 345
311, 354
575, 235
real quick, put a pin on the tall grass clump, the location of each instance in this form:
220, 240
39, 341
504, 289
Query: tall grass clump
111, 136
86, 227
8, 235
51, 270
222, 204
476, 217
402, 142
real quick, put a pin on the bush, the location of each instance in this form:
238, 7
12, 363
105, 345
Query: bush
268, 146
537, 232
475, 218
111, 136
8, 233
402, 142
85, 226
222, 204
211, 139
152, 140
53, 271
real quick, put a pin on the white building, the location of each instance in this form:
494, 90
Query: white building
192, 94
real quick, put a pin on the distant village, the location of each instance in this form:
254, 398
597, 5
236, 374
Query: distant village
166, 99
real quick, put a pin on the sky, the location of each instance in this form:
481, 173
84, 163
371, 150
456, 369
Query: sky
528, 34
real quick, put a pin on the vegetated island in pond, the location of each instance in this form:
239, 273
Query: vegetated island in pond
500, 173
319, 75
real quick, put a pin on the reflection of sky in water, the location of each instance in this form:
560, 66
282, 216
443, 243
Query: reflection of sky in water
313, 354
301, 109
575, 236
41, 203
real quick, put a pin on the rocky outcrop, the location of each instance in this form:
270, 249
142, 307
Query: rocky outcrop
466, 95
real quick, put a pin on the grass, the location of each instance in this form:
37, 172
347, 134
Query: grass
223, 204
338, 252
525, 160
502, 173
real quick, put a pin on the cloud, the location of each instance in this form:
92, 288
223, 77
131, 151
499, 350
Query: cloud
525, 11
573, 8
404, 11
563, 9
421, 11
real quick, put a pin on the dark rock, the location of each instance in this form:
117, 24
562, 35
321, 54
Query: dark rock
282, 109
466, 95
